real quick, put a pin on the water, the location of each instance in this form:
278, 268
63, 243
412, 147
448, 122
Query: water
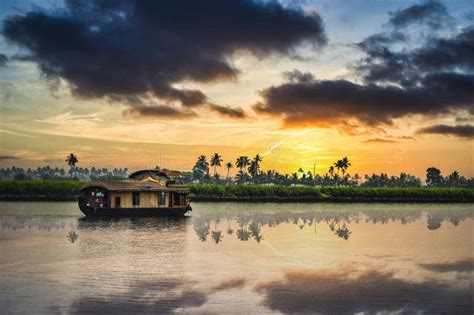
239, 258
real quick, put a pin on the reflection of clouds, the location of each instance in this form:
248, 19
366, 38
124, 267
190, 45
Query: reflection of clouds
466, 265
333, 291
161, 296
234, 283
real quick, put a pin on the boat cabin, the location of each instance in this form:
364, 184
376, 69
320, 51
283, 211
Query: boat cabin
143, 189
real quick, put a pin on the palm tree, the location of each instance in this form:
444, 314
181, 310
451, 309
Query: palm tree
201, 168
216, 162
228, 166
331, 171
344, 163
242, 162
255, 165
71, 160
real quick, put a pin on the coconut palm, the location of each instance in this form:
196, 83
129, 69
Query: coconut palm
242, 162
228, 166
254, 165
216, 162
344, 164
71, 160
331, 171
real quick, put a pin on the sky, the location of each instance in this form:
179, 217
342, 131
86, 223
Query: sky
389, 84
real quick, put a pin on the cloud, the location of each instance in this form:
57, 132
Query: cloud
430, 12
327, 103
162, 111
118, 49
379, 140
8, 157
228, 111
462, 131
373, 291
466, 265
408, 67
3, 60
402, 77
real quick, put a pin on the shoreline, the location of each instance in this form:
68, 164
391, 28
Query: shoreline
39, 198
68, 190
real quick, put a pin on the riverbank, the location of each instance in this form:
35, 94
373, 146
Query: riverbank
67, 190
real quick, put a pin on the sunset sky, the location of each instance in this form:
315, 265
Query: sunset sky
389, 84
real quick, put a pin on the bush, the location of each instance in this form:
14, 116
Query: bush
46, 189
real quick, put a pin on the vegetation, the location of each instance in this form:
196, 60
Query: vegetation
209, 192
46, 183
67, 189
47, 172
52, 189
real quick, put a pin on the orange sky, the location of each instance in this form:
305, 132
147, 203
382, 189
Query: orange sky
42, 121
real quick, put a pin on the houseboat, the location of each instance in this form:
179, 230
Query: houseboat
145, 193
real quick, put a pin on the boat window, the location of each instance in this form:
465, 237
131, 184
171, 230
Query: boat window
117, 202
161, 198
136, 198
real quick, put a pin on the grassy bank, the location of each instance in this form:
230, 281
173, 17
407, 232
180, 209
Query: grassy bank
51, 190
44, 190
212, 192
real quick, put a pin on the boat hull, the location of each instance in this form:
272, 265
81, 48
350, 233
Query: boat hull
133, 212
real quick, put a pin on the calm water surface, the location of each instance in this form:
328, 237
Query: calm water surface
239, 258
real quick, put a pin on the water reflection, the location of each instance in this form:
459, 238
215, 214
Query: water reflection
244, 226
72, 236
243, 258
248, 225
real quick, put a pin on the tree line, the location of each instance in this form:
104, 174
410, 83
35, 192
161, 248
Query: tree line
250, 172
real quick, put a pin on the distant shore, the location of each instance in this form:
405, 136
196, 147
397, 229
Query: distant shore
67, 190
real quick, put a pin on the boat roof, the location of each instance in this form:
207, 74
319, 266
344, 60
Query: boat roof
136, 185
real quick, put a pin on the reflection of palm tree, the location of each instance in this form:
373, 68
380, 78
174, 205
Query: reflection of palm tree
229, 229
332, 226
343, 232
434, 222
255, 230
202, 230
243, 234
217, 236
72, 236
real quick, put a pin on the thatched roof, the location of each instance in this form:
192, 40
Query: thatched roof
136, 185
156, 174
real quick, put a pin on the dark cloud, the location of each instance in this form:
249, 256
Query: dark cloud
401, 77
462, 131
227, 111
7, 157
466, 265
329, 102
3, 60
162, 111
379, 140
373, 291
430, 12
407, 67
117, 49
